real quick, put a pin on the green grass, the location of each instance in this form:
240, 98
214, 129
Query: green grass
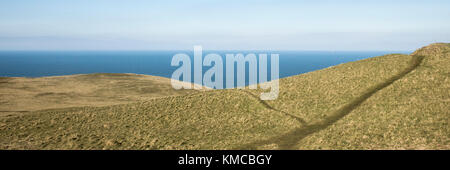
389, 102
412, 113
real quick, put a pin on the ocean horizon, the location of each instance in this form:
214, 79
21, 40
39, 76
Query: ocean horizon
157, 63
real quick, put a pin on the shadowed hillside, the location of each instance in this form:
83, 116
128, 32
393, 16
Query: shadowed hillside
389, 102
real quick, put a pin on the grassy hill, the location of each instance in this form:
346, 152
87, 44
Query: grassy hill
19, 94
388, 102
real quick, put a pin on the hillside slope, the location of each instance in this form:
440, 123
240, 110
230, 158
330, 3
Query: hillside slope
389, 102
19, 94
412, 113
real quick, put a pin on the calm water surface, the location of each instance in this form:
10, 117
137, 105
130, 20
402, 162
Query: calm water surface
157, 63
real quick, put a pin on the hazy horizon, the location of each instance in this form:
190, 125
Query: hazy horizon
223, 25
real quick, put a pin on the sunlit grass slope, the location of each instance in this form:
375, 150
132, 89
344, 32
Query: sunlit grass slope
412, 113
19, 94
389, 102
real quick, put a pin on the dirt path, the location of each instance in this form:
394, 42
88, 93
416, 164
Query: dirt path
290, 139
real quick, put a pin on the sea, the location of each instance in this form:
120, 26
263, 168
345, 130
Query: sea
158, 63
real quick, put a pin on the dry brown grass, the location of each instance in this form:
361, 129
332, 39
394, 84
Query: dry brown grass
20, 94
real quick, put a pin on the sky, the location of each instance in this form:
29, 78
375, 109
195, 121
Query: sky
345, 25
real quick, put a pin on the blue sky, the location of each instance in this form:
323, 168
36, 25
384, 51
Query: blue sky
222, 24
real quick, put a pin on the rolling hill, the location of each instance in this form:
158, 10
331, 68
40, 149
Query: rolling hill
19, 94
394, 101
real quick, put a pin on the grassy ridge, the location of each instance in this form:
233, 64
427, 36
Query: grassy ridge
412, 113
388, 104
